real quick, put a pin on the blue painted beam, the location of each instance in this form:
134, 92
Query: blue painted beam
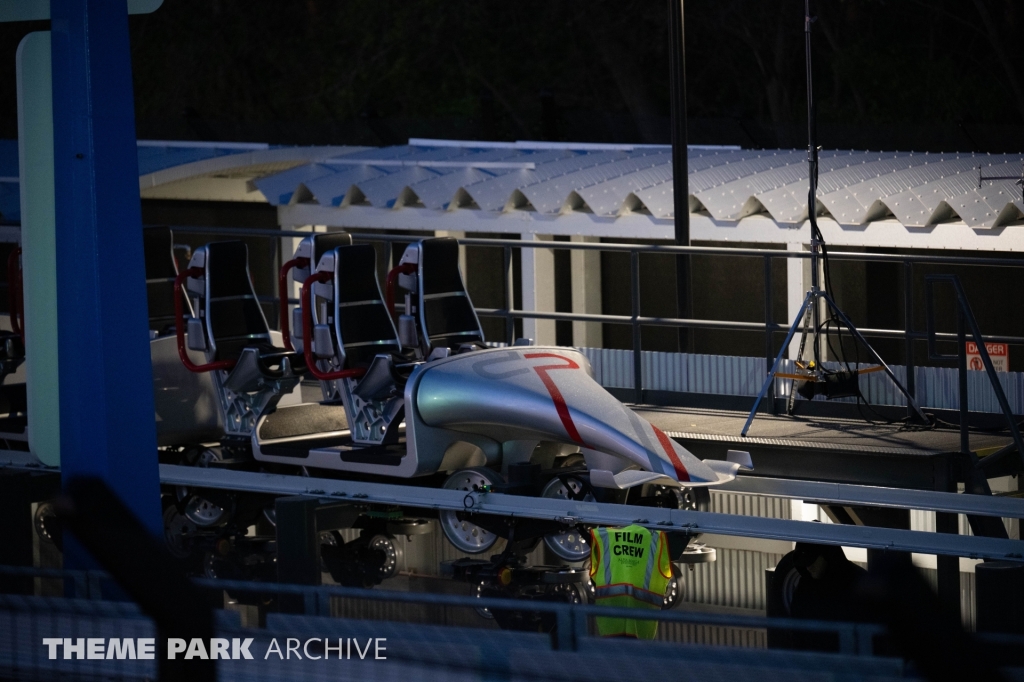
107, 428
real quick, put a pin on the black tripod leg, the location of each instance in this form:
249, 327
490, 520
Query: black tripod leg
778, 358
790, 403
860, 337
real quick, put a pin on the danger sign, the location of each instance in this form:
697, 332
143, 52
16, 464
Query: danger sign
999, 352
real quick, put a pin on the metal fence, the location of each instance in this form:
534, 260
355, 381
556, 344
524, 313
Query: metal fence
928, 386
424, 650
726, 375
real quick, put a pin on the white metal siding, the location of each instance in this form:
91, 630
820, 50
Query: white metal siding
751, 505
736, 579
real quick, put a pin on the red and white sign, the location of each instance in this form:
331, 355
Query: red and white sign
999, 352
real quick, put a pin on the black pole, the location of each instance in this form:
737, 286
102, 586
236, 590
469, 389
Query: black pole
680, 169
812, 185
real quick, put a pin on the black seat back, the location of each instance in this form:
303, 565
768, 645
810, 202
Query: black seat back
447, 313
314, 247
328, 241
161, 269
234, 317
363, 324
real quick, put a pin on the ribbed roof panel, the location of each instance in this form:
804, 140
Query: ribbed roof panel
854, 187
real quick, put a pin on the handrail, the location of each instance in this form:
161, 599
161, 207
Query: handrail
718, 324
179, 327
642, 248
282, 297
307, 333
769, 328
854, 638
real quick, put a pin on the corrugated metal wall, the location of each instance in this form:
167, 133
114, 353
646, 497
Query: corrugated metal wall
736, 579
751, 505
968, 612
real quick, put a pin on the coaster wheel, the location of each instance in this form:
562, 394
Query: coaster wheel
570, 545
465, 535
674, 591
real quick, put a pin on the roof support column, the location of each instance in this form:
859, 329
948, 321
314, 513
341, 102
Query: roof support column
798, 283
107, 426
538, 282
796, 290
586, 293
38, 244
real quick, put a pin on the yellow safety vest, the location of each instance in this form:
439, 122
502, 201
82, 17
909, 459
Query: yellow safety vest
629, 567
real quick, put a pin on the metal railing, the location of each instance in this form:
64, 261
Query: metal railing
571, 620
769, 328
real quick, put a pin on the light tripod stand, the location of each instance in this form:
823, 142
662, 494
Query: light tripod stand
817, 295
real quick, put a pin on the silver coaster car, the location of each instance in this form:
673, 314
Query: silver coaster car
432, 400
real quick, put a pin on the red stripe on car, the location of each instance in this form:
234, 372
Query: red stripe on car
666, 443
556, 395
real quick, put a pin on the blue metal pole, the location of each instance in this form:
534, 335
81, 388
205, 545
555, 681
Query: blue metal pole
107, 426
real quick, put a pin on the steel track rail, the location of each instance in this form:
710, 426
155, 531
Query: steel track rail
663, 519
874, 496
595, 513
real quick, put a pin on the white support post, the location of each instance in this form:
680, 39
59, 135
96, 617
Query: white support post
586, 293
798, 281
822, 307
39, 244
538, 268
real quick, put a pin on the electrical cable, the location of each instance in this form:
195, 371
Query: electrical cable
819, 238
834, 316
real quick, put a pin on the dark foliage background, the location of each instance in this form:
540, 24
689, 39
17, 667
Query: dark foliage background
940, 75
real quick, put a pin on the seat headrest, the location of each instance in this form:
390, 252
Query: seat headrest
439, 264
355, 269
227, 269
328, 241
158, 250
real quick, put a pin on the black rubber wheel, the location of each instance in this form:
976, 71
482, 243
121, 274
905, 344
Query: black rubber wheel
813, 582
674, 591
695, 499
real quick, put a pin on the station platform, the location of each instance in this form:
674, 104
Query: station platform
813, 447
832, 449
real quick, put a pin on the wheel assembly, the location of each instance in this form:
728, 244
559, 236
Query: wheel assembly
479, 592
392, 554
363, 562
815, 581
45, 521
570, 545
179, 532
673, 591
465, 535
685, 499
524, 583
694, 499
204, 513
696, 553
